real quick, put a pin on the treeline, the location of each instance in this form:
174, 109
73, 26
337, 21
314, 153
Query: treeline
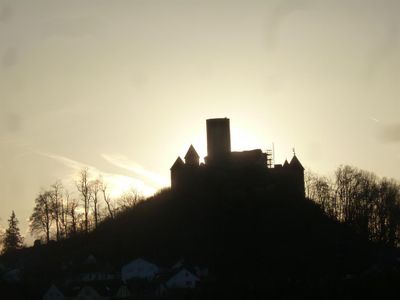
361, 199
57, 214
367, 203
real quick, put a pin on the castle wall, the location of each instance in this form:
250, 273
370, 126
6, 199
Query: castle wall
234, 176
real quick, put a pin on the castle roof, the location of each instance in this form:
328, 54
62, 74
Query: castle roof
286, 164
295, 163
191, 154
178, 163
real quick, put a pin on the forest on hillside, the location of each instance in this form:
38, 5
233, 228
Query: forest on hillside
370, 205
262, 242
59, 213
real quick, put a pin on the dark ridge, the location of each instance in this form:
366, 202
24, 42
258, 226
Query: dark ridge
258, 242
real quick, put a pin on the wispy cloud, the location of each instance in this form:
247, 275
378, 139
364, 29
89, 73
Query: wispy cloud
73, 164
117, 183
124, 163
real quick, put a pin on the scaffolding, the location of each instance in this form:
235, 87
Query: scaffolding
270, 157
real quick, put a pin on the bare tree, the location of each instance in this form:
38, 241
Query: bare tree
73, 215
359, 198
387, 213
84, 189
41, 219
106, 198
129, 199
309, 180
357, 193
95, 187
56, 206
64, 213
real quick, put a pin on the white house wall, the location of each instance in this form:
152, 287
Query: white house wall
140, 269
183, 279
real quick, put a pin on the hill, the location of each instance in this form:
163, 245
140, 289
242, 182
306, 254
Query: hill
255, 242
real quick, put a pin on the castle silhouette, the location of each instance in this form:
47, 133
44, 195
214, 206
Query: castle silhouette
226, 169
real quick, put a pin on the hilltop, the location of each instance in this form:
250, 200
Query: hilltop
254, 241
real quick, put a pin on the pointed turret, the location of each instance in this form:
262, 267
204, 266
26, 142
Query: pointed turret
191, 157
176, 172
297, 171
285, 164
295, 163
177, 164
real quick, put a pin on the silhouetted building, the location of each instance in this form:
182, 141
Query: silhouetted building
218, 141
226, 169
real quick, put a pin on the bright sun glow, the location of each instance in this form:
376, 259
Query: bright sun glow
240, 140
120, 184
244, 140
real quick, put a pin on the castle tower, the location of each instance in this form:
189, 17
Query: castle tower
218, 140
297, 173
191, 157
176, 172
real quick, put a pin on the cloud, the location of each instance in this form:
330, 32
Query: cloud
120, 184
117, 183
390, 133
70, 163
124, 163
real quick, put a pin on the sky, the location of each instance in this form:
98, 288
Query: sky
124, 87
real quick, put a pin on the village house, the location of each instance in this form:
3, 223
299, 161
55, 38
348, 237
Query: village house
139, 278
95, 291
139, 269
53, 293
182, 279
89, 293
123, 292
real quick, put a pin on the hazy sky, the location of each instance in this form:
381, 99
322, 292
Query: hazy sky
124, 87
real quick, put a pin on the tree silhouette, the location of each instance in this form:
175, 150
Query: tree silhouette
106, 198
72, 212
95, 186
84, 188
41, 218
369, 204
129, 199
56, 206
12, 239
